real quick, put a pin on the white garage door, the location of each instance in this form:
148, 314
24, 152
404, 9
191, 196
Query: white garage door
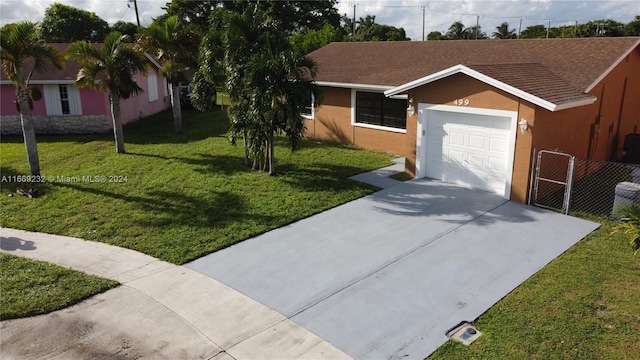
469, 149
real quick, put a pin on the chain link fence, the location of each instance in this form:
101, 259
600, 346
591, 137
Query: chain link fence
578, 187
594, 187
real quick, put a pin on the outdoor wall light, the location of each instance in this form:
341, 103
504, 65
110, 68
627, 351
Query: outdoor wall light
524, 125
411, 109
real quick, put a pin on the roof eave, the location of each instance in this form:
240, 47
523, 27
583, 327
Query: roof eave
613, 66
354, 86
461, 69
576, 103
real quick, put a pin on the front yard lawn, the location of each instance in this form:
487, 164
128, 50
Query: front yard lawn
31, 287
175, 196
583, 305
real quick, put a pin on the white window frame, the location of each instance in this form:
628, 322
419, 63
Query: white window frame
312, 114
370, 126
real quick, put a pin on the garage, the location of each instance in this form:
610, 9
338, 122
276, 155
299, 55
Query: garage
466, 146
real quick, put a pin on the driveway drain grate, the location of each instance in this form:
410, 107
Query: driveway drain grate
464, 333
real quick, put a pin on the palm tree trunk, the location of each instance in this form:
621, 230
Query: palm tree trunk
247, 162
118, 133
272, 165
28, 132
175, 106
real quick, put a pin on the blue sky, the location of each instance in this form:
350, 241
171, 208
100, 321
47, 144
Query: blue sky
438, 15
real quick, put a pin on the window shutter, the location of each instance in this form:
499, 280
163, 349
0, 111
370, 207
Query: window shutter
152, 82
52, 99
75, 105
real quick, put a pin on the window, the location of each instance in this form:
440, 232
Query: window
377, 109
63, 99
152, 82
309, 112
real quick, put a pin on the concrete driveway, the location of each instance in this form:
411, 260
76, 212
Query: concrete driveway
387, 275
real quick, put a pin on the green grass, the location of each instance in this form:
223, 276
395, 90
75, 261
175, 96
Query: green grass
181, 196
31, 287
584, 305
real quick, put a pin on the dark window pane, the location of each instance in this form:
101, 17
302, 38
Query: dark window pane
377, 109
64, 99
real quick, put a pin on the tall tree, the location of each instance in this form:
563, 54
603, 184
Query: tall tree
369, 30
475, 33
126, 28
436, 35
110, 67
633, 27
269, 83
23, 53
310, 40
294, 15
535, 31
503, 32
65, 24
196, 13
174, 43
457, 31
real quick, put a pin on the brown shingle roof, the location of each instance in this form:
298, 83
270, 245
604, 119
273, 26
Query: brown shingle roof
546, 85
67, 74
564, 67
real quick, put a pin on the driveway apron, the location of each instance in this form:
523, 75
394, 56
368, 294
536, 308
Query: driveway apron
385, 276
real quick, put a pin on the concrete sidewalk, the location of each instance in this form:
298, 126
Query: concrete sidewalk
161, 311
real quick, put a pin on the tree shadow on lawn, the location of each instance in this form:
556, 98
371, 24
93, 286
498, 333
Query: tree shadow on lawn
183, 227
207, 163
321, 177
172, 208
159, 128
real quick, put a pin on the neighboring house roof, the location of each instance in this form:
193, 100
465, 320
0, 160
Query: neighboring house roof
66, 75
552, 73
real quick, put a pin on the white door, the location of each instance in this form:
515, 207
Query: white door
462, 146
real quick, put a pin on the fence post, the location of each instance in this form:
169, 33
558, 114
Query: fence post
569, 190
533, 170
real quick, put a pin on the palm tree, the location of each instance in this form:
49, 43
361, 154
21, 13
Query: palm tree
281, 84
269, 84
174, 43
23, 53
503, 32
110, 67
457, 31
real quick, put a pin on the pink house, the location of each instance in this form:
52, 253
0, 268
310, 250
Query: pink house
67, 109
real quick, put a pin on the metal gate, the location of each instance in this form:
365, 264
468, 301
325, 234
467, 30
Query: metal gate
552, 180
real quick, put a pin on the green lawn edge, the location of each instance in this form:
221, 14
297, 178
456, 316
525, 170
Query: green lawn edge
32, 287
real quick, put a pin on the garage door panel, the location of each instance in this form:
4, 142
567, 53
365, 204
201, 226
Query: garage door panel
477, 142
455, 156
476, 160
499, 145
455, 138
468, 149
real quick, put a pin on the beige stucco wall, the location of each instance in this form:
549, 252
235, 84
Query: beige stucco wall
333, 123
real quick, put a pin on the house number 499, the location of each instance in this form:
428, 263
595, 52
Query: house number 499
461, 102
